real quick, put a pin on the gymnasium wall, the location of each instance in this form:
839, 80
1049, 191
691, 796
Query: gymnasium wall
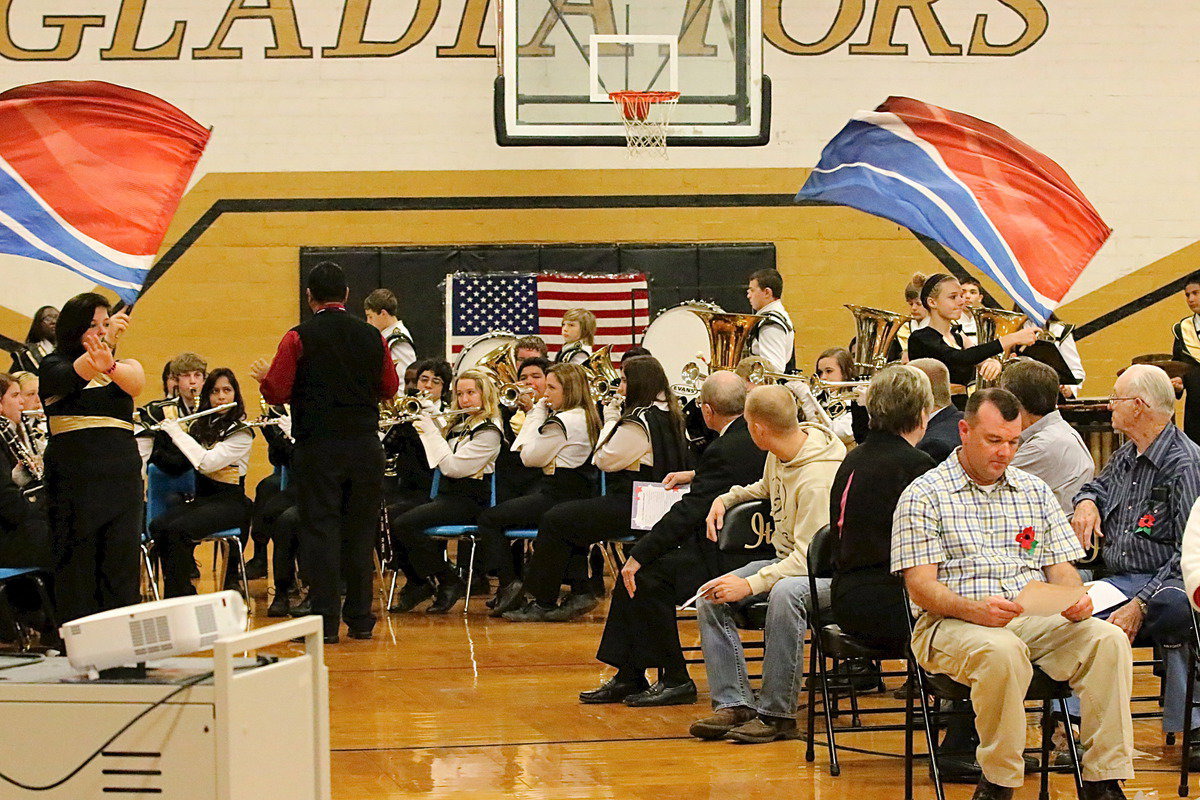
350, 122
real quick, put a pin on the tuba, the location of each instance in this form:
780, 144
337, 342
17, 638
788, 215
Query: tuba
727, 336
875, 330
603, 379
500, 364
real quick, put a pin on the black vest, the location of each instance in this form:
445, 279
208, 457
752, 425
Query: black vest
668, 445
338, 378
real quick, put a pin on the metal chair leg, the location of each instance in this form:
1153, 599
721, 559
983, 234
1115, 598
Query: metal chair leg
151, 575
392, 588
909, 723
1188, 703
1076, 771
470, 572
930, 739
1047, 731
47, 603
835, 769
241, 554
810, 748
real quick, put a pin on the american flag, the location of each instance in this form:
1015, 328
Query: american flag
478, 303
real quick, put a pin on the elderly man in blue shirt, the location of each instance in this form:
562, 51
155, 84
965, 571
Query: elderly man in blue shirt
1139, 505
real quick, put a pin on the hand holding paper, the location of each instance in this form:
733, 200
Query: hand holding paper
1041, 599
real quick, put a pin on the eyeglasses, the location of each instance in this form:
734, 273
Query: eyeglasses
1112, 400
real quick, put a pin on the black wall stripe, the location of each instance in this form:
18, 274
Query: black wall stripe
555, 202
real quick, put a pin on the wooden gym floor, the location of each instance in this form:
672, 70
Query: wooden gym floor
473, 707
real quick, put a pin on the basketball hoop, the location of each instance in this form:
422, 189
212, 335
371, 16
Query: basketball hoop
646, 116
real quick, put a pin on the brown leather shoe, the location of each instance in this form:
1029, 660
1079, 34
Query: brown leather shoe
761, 730
986, 790
722, 721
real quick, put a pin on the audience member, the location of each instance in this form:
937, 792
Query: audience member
1050, 448
941, 435
800, 466
968, 536
1140, 504
669, 563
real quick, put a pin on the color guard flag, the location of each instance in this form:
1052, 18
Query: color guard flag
968, 184
90, 176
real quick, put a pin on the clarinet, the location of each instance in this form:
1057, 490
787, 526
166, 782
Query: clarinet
25, 459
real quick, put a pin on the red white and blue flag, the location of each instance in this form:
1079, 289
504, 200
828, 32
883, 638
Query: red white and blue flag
524, 304
90, 176
969, 185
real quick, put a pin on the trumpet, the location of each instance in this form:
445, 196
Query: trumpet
193, 417
511, 393
839, 394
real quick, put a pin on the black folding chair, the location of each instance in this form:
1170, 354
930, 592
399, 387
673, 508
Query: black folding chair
1042, 689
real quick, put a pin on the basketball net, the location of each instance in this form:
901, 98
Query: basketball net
646, 116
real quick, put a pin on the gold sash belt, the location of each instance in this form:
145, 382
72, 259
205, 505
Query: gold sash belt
67, 423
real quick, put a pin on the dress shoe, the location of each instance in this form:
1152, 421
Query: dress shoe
481, 586
530, 612
860, 674
509, 597
761, 730
1103, 790
662, 695
905, 689
612, 691
411, 596
449, 591
302, 608
985, 790
256, 569
955, 767
331, 638
359, 633
279, 606
576, 605
722, 721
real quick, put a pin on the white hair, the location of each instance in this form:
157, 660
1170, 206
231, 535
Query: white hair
1152, 385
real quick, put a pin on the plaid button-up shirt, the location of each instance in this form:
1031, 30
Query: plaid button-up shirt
974, 534
1125, 492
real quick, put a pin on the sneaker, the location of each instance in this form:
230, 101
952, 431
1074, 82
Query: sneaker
722, 721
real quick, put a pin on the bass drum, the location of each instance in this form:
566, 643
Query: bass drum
677, 337
479, 347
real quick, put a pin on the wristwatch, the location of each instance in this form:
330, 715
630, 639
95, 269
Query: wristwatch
1141, 604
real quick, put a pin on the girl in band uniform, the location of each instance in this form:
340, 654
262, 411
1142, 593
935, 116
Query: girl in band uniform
557, 437
466, 455
218, 447
93, 470
644, 443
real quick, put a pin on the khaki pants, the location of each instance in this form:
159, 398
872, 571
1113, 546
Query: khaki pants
1093, 656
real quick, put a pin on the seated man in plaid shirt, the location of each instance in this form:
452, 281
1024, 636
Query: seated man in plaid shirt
968, 535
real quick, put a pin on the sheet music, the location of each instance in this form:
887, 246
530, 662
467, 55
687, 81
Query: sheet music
651, 501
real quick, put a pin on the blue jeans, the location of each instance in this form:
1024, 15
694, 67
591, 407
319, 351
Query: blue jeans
1168, 624
783, 656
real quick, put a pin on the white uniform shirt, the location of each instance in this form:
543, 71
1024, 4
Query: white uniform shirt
563, 443
459, 457
772, 342
402, 352
234, 450
628, 446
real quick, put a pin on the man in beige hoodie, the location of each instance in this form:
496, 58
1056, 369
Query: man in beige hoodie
802, 459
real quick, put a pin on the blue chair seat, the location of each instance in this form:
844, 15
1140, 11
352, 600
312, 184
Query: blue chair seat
16, 572
226, 534
624, 539
452, 530
521, 533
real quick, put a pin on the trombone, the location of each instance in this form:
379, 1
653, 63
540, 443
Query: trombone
511, 393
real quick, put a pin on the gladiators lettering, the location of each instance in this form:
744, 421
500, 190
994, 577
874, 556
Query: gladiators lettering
137, 30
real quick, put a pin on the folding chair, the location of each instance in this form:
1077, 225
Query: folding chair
460, 533
1042, 689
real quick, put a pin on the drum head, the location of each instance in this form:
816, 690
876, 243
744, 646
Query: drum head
677, 336
480, 347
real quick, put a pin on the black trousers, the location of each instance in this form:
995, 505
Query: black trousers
520, 512
95, 537
267, 488
640, 632
279, 519
869, 605
568, 530
425, 555
339, 483
28, 544
176, 531
400, 502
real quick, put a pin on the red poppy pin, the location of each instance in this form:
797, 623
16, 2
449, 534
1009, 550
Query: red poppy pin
1027, 539
1145, 524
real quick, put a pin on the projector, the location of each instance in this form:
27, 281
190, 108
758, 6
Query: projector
152, 631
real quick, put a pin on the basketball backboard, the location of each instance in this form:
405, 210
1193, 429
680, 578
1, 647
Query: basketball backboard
560, 59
